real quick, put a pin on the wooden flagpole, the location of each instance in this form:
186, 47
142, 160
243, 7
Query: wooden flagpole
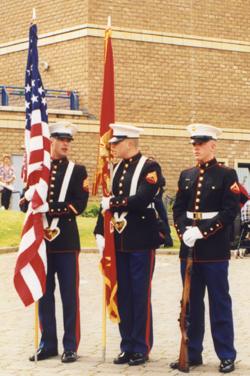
36, 331
104, 321
104, 308
33, 14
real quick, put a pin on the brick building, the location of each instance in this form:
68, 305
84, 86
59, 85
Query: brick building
176, 62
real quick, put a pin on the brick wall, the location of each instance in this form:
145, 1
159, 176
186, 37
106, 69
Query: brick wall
174, 153
159, 84
155, 83
215, 18
15, 16
68, 67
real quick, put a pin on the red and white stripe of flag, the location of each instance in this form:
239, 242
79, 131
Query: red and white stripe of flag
31, 265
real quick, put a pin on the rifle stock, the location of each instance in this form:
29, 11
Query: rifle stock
183, 363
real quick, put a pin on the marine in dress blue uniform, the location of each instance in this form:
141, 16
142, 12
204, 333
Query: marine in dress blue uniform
136, 237
63, 246
206, 205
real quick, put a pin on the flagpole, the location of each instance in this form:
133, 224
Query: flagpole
36, 331
36, 303
109, 22
104, 303
33, 14
104, 321
107, 262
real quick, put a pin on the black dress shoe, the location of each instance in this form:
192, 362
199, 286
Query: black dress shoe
192, 363
43, 354
122, 358
137, 359
226, 366
69, 356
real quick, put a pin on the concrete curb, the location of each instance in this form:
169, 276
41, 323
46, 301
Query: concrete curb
8, 250
159, 251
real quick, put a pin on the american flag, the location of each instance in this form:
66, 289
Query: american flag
31, 265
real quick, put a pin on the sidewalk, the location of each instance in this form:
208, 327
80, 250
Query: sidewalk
16, 340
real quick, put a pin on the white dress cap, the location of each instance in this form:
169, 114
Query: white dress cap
203, 131
63, 129
122, 131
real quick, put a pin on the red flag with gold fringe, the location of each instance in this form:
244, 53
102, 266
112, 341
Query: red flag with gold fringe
108, 261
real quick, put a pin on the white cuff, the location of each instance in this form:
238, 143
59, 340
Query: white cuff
42, 209
100, 242
105, 203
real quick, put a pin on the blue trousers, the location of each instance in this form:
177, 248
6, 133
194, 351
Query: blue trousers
67, 269
134, 274
214, 277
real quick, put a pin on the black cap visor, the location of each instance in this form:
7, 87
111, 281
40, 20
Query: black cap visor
200, 139
62, 136
117, 139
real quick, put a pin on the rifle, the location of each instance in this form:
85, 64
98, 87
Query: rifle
183, 362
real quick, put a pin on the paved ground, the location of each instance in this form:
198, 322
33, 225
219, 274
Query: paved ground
16, 339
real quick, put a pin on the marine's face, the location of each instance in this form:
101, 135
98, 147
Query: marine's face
60, 147
120, 149
204, 152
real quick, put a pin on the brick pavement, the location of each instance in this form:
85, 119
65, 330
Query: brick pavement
16, 339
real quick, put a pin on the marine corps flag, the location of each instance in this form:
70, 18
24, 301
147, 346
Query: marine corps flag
108, 261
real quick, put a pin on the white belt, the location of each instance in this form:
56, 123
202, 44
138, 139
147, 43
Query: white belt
201, 215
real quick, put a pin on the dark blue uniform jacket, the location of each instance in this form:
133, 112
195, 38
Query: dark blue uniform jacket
74, 204
141, 230
210, 187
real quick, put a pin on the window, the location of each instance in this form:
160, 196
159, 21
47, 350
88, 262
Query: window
243, 170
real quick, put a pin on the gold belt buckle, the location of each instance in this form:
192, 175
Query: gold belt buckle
197, 216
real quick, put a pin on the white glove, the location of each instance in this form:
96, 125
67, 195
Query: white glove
105, 203
100, 242
29, 193
42, 209
191, 235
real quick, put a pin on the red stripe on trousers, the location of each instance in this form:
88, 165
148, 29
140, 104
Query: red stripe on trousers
78, 328
149, 318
